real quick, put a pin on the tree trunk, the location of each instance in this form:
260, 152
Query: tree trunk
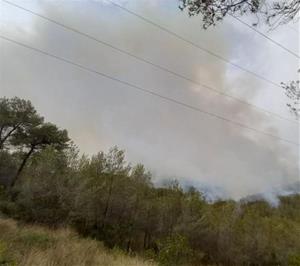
25, 159
108, 201
145, 239
128, 248
4, 138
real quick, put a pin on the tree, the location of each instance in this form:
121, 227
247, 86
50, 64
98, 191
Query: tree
105, 195
283, 12
8, 166
36, 139
16, 114
105, 198
174, 250
276, 13
292, 91
213, 11
48, 187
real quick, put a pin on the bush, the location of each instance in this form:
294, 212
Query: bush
294, 260
5, 260
40, 246
31, 239
174, 250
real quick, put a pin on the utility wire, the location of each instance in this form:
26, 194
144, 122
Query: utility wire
195, 44
149, 62
265, 36
292, 28
146, 91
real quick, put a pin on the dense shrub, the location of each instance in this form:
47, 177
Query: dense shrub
106, 198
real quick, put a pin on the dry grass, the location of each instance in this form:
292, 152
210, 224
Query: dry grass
38, 246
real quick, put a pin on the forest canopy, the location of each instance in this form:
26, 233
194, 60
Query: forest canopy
45, 180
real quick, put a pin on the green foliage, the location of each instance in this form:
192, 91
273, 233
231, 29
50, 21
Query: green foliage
294, 260
47, 190
174, 250
8, 166
5, 259
41, 136
23, 129
16, 115
106, 198
38, 239
42, 246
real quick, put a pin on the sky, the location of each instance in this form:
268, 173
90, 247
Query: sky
174, 142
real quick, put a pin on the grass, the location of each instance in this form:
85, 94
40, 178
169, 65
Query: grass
37, 246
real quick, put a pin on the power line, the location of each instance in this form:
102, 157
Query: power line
265, 36
150, 92
292, 28
149, 62
195, 44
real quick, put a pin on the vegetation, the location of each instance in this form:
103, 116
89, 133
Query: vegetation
36, 246
274, 12
105, 198
292, 91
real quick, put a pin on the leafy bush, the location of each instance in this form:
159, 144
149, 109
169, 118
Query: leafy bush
34, 245
174, 250
31, 239
294, 260
5, 259
106, 198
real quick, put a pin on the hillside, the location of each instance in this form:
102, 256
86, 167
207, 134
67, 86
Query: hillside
35, 246
47, 181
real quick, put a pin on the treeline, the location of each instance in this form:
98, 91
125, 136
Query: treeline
46, 181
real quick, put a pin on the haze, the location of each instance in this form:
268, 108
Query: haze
172, 141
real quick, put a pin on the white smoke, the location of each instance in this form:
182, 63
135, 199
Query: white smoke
172, 141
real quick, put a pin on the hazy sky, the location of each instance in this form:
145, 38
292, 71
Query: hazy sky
171, 140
